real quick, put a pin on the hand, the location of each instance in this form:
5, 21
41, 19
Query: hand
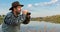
27, 20
24, 12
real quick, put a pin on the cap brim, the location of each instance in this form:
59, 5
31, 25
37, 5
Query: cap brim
18, 5
11, 8
21, 5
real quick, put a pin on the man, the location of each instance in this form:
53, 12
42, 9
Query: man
13, 19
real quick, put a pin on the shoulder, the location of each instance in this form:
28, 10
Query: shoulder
9, 14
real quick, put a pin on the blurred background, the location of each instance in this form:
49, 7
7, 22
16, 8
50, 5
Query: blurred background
44, 12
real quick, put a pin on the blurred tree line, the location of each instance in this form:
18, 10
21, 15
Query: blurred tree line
1, 18
53, 19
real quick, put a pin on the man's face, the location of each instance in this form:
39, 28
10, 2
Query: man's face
18, 9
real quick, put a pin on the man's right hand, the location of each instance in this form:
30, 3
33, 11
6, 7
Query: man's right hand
27, 18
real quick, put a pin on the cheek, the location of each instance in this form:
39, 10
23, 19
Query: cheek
19, 10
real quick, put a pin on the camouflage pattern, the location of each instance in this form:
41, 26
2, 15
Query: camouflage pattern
12, 23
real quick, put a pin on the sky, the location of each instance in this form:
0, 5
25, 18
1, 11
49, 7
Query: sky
38, 8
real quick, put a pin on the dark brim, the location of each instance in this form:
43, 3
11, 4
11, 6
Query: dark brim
17, 5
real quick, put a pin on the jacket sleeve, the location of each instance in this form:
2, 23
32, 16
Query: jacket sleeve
10, 21
26, 20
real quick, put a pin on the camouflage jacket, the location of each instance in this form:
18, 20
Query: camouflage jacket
12, 23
